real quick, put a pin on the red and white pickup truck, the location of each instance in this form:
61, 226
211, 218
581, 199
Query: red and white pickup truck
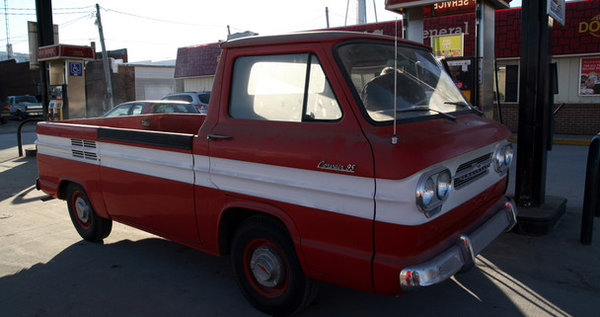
310, 165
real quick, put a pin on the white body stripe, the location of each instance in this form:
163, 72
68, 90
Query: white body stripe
329, 191
345, 194
159, 163
396, 199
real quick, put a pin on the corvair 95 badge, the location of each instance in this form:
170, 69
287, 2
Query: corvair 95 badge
336, 167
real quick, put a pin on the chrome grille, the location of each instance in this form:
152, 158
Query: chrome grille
470, 171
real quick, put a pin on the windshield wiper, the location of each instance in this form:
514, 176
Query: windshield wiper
424, 108
463, 104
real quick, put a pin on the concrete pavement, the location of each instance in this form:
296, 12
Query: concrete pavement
47, 270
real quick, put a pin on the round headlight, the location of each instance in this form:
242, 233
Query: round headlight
508, 155
444, 181
428, 191
500, 158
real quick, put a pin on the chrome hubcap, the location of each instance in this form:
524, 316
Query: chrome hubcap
266, 266
82, 209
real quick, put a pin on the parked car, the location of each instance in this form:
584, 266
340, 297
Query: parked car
198, 99
24, 106
132, 108
4, 112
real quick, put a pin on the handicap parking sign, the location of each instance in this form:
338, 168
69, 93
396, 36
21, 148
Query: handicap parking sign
75, 69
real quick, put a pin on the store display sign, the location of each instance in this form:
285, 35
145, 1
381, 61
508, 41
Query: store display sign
557, 10
448, 45
589, 75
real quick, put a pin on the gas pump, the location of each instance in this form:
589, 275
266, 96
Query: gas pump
67, 79
58, 102
462, 71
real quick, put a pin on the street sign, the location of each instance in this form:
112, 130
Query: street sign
557, 10
75, 69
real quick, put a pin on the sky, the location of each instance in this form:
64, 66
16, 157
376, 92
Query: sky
153, 30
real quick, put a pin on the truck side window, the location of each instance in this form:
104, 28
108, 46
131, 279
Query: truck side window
274, 88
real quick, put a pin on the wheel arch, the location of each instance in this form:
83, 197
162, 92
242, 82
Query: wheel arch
234, 214
99, 207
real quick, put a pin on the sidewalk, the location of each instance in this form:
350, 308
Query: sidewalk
565, 139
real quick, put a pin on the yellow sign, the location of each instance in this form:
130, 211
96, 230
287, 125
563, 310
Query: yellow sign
448, 45
593, 26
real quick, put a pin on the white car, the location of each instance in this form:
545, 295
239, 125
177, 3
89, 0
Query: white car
198, 99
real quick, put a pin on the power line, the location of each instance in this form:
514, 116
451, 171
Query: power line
59, 9
156, 19
57, 13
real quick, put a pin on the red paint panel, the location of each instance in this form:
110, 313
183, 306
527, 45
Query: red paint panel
161, 206
399, 246
332, 247
171, 122
53, 171
423, 144
66, 130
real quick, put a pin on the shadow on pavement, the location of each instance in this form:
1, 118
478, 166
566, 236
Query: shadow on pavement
17, 175
150, 277
156, 277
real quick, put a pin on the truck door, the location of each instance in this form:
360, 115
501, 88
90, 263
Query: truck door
285, 138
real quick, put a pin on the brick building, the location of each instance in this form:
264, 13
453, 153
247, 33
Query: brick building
575, 49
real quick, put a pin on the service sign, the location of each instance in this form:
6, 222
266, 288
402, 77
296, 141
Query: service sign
393, 5
451, 7
589, 75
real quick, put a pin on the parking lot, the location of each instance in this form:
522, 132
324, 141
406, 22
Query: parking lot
46, 269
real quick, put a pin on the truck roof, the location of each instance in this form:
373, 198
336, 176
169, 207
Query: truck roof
315, 36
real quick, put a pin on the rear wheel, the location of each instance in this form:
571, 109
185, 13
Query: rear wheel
89, 225
267, 268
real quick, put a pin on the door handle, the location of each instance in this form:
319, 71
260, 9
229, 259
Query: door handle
218, 137
145, 122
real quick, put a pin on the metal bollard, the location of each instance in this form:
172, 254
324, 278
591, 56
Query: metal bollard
19, 137
591, 201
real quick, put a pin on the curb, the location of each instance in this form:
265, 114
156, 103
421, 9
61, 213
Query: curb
562, 141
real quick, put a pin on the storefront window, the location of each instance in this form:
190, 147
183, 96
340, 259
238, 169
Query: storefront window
508, 83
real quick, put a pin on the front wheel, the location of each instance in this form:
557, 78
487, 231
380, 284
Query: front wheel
89, 225
267, 268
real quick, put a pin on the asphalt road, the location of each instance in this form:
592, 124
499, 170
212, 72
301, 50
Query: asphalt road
46, 269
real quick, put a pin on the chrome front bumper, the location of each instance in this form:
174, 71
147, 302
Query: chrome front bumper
461, 256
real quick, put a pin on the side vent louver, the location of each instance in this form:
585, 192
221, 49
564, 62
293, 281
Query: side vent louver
80, 147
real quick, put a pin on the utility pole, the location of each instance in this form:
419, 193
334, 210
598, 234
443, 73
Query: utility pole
8, 46
108, 98
326, 16
361, 17
45, 36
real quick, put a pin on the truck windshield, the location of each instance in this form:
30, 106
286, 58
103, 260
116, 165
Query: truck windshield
422, 89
